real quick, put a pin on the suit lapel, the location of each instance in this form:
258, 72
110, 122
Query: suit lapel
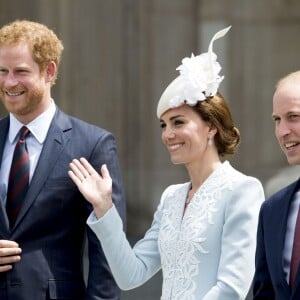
289, 194
4, 224
4, 125
297, 279
52, 148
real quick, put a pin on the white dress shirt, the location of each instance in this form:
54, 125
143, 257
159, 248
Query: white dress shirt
39, 128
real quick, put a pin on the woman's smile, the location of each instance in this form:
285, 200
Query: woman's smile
175, 147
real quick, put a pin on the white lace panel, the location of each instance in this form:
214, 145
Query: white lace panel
181, 239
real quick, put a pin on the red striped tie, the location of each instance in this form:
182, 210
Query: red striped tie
296, 252
18, 177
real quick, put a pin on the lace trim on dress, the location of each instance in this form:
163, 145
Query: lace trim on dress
180, 239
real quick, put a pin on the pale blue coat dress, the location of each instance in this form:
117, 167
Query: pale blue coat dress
206, 253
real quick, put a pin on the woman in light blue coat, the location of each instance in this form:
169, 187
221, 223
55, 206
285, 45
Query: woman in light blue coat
203, 234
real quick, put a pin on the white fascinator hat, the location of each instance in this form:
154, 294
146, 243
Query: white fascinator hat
199, 79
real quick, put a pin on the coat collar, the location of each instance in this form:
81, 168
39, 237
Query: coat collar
4, 224
277, 216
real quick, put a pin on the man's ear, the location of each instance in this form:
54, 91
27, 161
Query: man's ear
50, 71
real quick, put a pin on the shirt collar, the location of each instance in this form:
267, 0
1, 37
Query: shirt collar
38, 127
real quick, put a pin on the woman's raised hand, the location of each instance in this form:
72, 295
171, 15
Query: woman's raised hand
96, 188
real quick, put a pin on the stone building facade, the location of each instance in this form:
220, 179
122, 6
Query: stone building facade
120, 55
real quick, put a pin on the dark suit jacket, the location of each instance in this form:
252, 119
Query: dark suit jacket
269, 280
51, 225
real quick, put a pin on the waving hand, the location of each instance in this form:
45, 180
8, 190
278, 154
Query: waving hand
96, 188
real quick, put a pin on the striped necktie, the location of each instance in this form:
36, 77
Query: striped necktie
18, 180
296, 252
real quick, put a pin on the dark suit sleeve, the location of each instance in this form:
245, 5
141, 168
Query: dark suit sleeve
100, 279
262, 285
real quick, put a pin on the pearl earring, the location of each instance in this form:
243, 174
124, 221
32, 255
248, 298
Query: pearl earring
209, 141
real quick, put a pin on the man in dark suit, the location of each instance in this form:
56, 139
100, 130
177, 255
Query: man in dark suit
41, 242
277, 274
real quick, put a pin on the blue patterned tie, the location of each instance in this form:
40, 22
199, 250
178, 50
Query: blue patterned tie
18, 178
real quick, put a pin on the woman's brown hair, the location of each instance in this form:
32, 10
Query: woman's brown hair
215, 111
